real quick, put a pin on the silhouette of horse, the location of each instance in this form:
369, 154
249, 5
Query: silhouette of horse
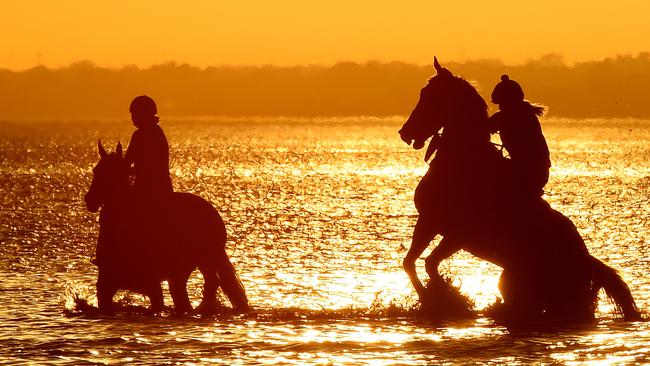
548, 273
145, 242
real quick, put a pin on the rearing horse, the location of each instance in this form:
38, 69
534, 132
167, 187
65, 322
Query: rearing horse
548, 272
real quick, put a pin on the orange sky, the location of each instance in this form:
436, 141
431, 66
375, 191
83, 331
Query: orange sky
289, 32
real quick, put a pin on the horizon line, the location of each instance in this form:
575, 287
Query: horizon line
287, 118
557, 58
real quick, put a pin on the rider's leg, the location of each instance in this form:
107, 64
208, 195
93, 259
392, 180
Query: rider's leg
422, 236
445, 249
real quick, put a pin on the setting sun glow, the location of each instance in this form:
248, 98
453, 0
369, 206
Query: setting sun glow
289, 32
299, 182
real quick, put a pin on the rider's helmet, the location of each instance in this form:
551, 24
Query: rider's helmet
144, 106
507, 91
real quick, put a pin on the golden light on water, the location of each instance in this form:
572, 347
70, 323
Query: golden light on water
349, 290
480, 286
318, 222
363, 333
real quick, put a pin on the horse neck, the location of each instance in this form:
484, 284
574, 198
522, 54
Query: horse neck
115, 205
466, 131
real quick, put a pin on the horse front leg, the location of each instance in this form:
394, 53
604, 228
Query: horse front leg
445, 249
106, 289
422, 236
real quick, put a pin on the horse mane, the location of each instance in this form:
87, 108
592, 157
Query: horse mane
474, 102
471, 100
469, 103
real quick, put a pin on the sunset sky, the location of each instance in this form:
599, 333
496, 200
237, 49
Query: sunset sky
289, 32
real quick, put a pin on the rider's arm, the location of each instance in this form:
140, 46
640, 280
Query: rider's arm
132, 149
494, 122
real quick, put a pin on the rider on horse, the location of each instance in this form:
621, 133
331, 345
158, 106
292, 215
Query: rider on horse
148, 152
521, 134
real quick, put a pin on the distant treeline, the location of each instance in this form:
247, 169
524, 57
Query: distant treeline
614, 87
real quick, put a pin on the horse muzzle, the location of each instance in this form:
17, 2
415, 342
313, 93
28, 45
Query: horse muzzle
417, 143
91, 205
405, 137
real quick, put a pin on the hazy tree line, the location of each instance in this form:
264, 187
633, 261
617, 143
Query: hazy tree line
614, 87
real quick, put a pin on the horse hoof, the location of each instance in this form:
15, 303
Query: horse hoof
107, 312
243, 309
210, 308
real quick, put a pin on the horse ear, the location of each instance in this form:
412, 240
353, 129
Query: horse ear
118, 149
100, 148
436, 65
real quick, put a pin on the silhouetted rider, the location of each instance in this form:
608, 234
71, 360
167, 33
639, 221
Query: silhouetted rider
148, 150
521, 134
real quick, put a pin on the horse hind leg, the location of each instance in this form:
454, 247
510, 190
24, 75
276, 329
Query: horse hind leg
209, 303
178, 289
156, 298
522, 300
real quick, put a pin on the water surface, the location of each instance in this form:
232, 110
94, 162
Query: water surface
319, 213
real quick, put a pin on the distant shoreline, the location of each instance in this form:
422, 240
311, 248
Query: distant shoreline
611, 88
388, 120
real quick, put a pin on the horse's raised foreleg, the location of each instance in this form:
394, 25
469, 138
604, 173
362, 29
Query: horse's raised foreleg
445, 249
422, 236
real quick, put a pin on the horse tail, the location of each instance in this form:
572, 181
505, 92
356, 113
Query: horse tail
231, 284
616, 289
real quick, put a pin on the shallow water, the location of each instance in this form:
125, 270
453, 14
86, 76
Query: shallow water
318, 214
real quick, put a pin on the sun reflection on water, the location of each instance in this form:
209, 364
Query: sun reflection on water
318, 218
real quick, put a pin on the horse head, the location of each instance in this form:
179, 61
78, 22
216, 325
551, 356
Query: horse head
445, 100
109, 176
